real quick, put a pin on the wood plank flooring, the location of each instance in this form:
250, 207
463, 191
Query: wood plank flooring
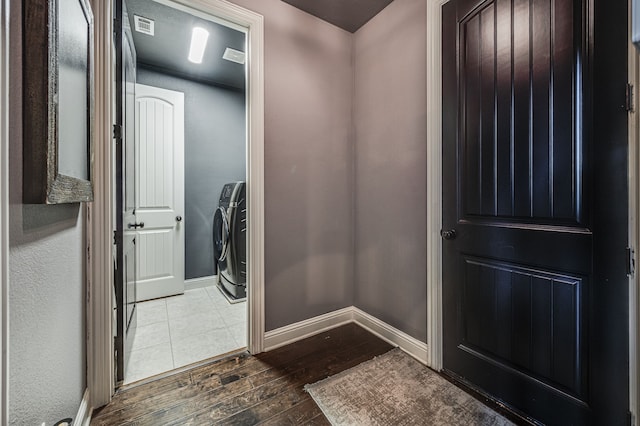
266, 389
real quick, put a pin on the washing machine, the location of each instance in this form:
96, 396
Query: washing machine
230, 241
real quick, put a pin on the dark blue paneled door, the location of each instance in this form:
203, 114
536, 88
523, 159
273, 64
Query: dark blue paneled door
535, 205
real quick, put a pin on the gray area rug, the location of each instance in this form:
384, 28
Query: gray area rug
395, 389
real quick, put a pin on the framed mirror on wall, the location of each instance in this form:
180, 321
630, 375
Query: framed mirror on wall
58, 101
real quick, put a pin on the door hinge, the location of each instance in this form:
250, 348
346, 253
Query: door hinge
117, 131
631, 262
628, 98
115, 238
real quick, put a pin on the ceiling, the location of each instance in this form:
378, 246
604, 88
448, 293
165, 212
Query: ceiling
167, 50
349, 15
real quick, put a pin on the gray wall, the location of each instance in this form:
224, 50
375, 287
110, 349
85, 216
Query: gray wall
308, 164
47, 287
214, 154
390, 166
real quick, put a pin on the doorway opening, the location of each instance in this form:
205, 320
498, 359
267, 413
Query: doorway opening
183, 162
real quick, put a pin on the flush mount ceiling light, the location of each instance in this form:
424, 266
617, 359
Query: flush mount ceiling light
199, 38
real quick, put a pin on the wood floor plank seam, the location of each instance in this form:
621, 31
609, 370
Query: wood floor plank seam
298, 386
263, 388
193, 387
308, 407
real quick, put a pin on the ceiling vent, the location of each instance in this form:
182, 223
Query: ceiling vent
144, 25
233, 55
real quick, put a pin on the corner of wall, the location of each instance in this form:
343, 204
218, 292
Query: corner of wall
354, 173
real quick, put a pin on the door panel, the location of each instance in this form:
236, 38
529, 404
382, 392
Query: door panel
520, 287
125, 274
520, 158
160, 192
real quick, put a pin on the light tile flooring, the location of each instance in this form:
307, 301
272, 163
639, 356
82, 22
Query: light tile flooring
180, 330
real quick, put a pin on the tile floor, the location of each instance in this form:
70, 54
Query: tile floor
180, 330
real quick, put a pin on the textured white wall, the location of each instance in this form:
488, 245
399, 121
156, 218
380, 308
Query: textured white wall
390, 107
46, 294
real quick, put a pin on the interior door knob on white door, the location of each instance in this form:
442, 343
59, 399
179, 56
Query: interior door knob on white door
178, 218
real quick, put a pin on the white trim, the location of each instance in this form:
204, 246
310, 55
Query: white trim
83, 417
410, 345
255, 168
100, 349
634, 237
202, 282
4, 211
312, 326
100, 363
434, 182
307, 328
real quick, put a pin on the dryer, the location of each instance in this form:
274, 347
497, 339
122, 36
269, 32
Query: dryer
230, 240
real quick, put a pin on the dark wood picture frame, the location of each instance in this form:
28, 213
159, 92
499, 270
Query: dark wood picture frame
49, 44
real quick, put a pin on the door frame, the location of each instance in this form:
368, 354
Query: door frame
100, 363
434, 183
434, 206
4, 210
634, 232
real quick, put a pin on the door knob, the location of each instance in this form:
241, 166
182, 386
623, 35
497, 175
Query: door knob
449, 234
178, 218
136, 225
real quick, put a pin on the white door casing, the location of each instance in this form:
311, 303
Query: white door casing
4, 210
434, 182
159, 192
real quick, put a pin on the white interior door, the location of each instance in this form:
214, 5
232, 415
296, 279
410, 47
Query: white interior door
160, 191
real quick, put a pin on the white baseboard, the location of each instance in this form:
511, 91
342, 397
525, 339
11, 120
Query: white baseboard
83, 417
410, 345
203, 282
303, 329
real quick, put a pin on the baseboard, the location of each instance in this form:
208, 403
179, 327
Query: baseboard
303, 329
410, 345
83, 417
202, 282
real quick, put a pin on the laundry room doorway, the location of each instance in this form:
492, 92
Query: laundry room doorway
191, 162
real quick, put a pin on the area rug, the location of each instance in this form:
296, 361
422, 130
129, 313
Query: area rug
395, 389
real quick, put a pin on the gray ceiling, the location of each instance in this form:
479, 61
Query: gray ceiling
167, 50
349, 15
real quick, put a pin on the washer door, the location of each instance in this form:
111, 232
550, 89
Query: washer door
220, 235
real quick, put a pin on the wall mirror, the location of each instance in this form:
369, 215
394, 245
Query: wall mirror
58, 101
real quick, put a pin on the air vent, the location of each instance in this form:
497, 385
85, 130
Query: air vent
144, 25
233, 55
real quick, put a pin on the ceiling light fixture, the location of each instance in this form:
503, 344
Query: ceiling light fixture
199, 38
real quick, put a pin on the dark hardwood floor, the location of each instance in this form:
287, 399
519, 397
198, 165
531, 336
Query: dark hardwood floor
264, 389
